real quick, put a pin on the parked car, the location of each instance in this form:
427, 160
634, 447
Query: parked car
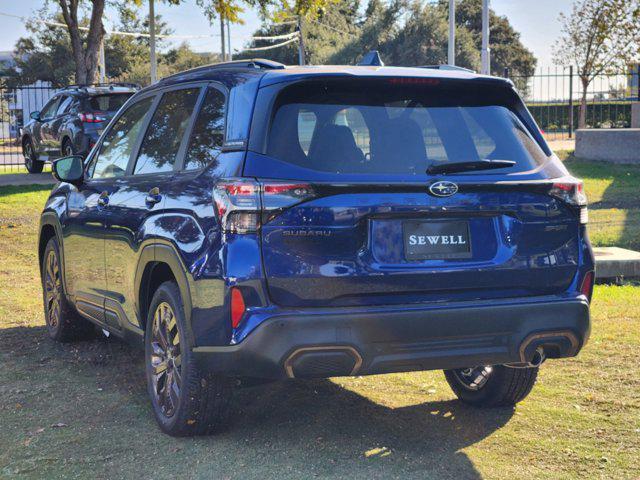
250, 220
71, 122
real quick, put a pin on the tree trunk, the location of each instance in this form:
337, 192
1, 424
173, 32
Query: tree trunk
94, 39
86, 60
582, 118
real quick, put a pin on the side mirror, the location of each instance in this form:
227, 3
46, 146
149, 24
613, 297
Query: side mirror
68, 169
35, 115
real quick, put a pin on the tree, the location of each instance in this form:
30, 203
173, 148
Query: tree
598, 36
507, 50
84, 50
324, 34
378, 28
424, 40
43, 56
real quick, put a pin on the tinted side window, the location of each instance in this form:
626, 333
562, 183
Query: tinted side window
50, 108
208, 132
166, 130
64, 105
119, 141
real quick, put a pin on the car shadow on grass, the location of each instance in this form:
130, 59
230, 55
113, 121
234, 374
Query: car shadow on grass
291, 429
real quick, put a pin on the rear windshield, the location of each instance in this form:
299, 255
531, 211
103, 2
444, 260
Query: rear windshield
108, 103
397, 129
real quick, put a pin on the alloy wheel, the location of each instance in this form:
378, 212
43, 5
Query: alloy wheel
53, 290
166, 372
28, 154
473, 378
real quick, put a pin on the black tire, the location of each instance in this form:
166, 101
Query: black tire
200, 404
63, 322
31, 162
67, 149
500, 387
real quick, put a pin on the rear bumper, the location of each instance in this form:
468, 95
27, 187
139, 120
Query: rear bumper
358, 341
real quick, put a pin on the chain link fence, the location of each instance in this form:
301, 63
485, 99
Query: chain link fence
16, 104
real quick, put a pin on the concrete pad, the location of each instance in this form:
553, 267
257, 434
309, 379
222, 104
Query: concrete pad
615, 262
616, 145
27, 179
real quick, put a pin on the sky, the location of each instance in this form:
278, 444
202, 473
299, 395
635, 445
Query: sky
536, 20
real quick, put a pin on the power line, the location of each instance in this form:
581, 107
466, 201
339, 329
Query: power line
286, 36
147, 35
269, 47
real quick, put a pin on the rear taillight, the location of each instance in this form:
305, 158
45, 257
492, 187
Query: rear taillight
572, 193
238, 307
92, 117
243, 205
587, 285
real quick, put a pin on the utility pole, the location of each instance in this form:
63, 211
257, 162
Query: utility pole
452, 32
301, 52
222, 39
229, 40
103, 63
486, 53
152, 42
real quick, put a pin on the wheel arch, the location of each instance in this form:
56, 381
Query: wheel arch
160, 263
49, 228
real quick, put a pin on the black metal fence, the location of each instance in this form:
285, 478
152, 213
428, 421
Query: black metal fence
16, 104
553, 96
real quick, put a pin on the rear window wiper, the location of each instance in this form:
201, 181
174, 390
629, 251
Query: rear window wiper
469, 166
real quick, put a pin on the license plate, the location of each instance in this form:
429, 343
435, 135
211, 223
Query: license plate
436, 240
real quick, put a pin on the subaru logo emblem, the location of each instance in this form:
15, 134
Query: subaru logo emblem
443, 189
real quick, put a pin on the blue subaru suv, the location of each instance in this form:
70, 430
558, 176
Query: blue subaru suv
249, 221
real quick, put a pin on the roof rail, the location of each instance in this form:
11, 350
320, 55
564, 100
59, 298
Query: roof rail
448, 67
253, 63
111, 85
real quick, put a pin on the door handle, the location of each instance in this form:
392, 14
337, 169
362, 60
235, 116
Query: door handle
103, 199
153, 196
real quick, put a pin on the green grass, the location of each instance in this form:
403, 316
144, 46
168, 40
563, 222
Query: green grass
81, 410
614, 200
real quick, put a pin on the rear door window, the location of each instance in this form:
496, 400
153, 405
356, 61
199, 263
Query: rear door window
64, 105
166, 131
207, 136
387, 129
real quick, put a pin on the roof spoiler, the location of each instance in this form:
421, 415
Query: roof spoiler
111, 85
449, 67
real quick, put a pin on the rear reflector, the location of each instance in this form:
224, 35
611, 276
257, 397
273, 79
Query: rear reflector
237, 307
587, 285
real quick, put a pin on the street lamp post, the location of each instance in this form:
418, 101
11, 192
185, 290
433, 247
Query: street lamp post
152, 42
452, 32
486, 52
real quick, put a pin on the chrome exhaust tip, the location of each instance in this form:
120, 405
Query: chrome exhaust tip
537, 359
